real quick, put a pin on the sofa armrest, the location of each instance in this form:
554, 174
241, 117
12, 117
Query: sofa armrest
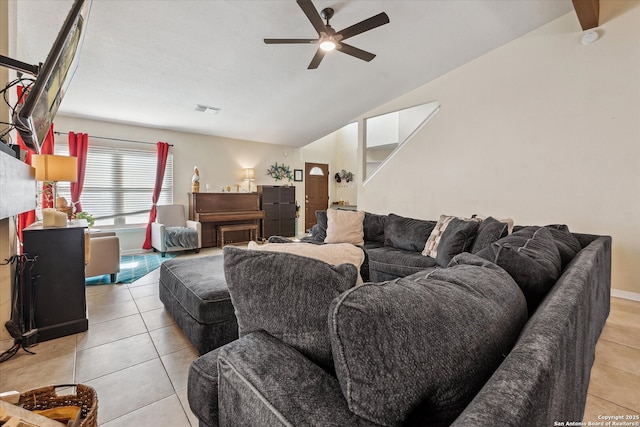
263, 381
157, 236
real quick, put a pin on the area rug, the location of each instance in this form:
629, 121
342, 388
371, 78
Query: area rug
132, 267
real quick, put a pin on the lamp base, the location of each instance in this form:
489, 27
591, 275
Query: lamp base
53, 218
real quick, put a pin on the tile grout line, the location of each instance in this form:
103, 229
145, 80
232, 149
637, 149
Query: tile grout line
173, 387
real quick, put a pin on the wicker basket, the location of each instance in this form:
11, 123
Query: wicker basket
47, 398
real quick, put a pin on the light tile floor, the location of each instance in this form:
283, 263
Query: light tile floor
134, 355
137, 359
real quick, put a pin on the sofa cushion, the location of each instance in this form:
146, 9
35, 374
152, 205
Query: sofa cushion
200, 287
387, 263
489, 231
416, 350
374, 227
287, 296
334, 254
531, 257
406, 233
457, 238
345, 227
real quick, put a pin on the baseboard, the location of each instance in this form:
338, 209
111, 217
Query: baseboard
135, 251
634, 296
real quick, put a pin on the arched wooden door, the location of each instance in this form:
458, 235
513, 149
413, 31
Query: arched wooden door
316, 191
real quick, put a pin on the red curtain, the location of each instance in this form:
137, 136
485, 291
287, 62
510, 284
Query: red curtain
163, 152
78, 144
25, 219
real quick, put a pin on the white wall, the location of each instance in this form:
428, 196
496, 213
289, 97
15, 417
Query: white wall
338, 150
220, 161
543, 130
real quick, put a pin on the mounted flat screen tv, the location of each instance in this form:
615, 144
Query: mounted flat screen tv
34, 117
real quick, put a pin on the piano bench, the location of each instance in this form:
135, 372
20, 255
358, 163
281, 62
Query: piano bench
251, 228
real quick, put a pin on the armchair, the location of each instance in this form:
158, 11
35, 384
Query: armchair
103, 255
172, 232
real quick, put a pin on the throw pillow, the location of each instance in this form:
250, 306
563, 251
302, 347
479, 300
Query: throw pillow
416, 350
345, 227
457, 238
508, 221
431, 245
334, 254
433, 241
406, 233
532, 258
287, 296
374, 227
490, 230
568, 245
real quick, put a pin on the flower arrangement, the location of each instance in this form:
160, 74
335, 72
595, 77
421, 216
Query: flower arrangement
279, 172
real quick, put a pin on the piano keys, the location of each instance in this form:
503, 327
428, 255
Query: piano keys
214, 209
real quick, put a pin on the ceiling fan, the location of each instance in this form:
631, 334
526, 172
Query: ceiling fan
330, 39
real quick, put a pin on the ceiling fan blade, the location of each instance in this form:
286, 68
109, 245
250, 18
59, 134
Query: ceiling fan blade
312, 15
316, 60
287, 41
362, 26
354, 51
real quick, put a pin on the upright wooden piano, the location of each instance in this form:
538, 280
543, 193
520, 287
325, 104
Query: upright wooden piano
214, 209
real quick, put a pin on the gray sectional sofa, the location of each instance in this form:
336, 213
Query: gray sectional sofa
503, 336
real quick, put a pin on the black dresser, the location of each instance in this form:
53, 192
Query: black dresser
60, 304
279, 206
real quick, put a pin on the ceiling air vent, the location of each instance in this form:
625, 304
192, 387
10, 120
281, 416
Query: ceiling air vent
206, 109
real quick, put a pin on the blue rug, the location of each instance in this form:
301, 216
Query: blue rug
132, 267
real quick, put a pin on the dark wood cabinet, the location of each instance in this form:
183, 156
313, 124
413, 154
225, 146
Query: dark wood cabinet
279, 206
60, 304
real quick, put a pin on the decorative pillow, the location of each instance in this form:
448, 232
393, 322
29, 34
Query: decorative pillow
433, 241
345, 227
490, 230
456, 238
374, 227
334, 254
532, 258
431, 245
287, 296
508, 221
429, 340
406, 233
567, 243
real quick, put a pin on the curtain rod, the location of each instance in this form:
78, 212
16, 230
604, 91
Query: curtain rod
113, 139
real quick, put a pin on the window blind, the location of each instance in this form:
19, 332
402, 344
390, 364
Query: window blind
119, 183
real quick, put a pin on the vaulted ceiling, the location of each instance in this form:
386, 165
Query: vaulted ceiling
150, 62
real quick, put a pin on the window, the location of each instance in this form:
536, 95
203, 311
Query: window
118, 184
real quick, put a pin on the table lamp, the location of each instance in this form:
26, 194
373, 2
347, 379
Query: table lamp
249, 175
54, 168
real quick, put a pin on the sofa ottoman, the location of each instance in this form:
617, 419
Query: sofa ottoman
194, 291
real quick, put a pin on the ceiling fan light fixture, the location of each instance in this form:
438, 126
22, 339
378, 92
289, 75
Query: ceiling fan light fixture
328, 44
